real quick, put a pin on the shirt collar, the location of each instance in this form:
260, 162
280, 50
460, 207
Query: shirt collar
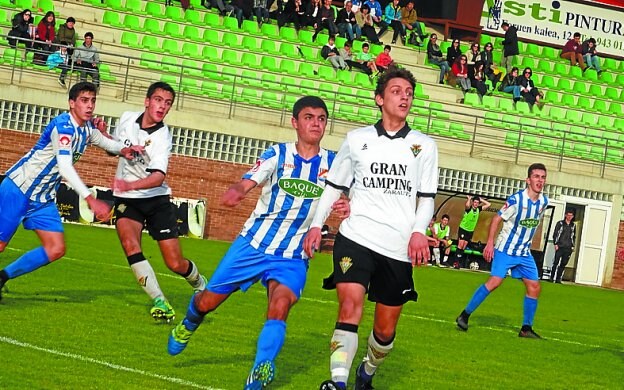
400, 134
151, 129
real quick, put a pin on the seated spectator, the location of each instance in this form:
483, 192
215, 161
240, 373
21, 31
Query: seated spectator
490, 70
478, 79
510, 84
392, 18
528, 90
294, 13
347, 25
383, 60
21, 28
459, 74
224, 8
331, 54
326, 19
312, 12
87, 60
66, 33
472, 55
365, 60
347, 54
453, 52
434, 55
430, 233
59, 58
573, 51
375, 11
45, 38
261, 11
365, 22
409, 21
589, 54
243, 9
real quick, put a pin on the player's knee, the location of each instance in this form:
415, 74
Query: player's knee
384, 333
350, 309
2, 246
533, 289
179, 266
55, 251
279, 308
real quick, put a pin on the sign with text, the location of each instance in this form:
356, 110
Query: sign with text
555, 22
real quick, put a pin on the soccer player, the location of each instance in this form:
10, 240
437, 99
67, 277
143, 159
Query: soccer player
521, 215
387, 167
474, 206
269, 248
28, 192
142, 198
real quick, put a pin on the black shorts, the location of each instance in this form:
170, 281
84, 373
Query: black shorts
387, 281
464, 235
157, 214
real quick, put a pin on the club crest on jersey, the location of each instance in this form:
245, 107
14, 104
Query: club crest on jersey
256, 166
323, 174
300, 188
64, 140
148, 142
345, 263
415, 149
529, 223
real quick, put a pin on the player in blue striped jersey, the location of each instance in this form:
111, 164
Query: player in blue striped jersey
269, 247
521, 214
28, 192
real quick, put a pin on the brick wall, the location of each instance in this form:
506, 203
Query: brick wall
618, 266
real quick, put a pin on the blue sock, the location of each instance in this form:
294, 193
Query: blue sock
477, 299
530, 307
28, 262
193, 317
270, 340
342, 385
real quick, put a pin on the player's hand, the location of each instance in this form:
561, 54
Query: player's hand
101, 209
488, 252
342, 208
312, 241
418, 249
121, 185
99, 124
131, 152
556, 247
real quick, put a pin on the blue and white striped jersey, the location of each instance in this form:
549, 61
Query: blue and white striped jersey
521, 218
292, 188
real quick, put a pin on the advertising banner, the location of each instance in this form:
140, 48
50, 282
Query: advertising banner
555, 22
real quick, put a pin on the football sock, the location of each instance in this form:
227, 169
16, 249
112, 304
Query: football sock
530, 307
343, 347
194, 317
26, 263
478, 298
3, 277
375, 354
145, 275
192, 275
270, 340
436, 255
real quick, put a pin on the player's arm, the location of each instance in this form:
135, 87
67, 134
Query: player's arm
237, 192
154, 179
468, 202
485, 204
488, 252
114, 146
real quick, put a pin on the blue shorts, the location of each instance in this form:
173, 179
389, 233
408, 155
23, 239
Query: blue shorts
16, 208
522, 267
244, 265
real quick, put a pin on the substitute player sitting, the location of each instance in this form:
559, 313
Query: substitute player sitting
269, 248
28, 192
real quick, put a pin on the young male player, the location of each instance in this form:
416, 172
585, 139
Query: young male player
387, 167
269, 248
474, 206
28, 192
142, 198
521, 214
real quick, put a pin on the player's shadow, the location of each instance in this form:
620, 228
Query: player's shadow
26, 298
496, 321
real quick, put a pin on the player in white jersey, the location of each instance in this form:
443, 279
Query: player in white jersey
521, 214
142, 198
387, 168
269, 248
28, 192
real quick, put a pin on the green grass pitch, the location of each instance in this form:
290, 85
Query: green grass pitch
84, 323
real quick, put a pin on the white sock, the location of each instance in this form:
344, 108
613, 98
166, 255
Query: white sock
436, 255
146, 277
343, 346
195, 279
375, 354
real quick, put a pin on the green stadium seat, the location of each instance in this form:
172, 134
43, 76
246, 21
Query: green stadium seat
610, 64
210, 53
605, 123
533, 50
5, 18
347, 112
212, 37
580, 87
289, 84
191, 68
250, 27
250, 43
595, 90
489, 102
212, 20
251, 78
362, 80
270, 30
523, 108
250, 60
306, 70
173, 30
366, 95
171, 80
607, 78
250, 96
506, 105
484, 39
228, 92
564, 84
150, 61
597, 153
543, 66
492, 119
272, 100
113, 4
170, 46
174, 13
305, 37
327, 92
529, 142
151, 43
130, 39
192, 16
550, 145
611, 93
568, 100
190, 85
548, 82
437, 110
269, 63
210, 71
583, 103
308, 53
230, 57
269, 81
347, 95
288, 66
418, 123
512, 139
288, 34
192, 33
135, 7
575, 72
12, 57
268, 46
152, 26
457, 131
616, 109
550, 53
573, 116
132, 22
344, 77
230, 23
419, 92
561, 69
528, 62
308, 87
211, 89
326, 72
591, 75
576, 133
191, 50
286, 49
589, 118
153, 9
615, 155
472, 99
111, 18
600, 106
170, 64
230, 40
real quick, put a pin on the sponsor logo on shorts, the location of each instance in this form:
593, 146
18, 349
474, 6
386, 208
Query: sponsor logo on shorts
165, 231
406, 291
530, 223
64, 140
300, 188
345, 263
416, 149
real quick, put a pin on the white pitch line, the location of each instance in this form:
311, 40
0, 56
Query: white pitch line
105, 364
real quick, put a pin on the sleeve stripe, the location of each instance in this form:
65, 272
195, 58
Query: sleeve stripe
150, 170
425, 194
336, 186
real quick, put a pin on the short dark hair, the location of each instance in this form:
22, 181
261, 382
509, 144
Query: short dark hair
535, 166
446, 216
366, 7
83, 86
577, 35
348, 44
515, 69
387, 47
71, 20
365, 45
88, 35
308, 101
505, 24
570, 210
592, 40
393, 73
475, 197
160, 85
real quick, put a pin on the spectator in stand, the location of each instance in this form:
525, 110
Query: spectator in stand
434, 55
383, 60
477, 80
392, 18
347, 54
510, 46
67, 33
294, 13
573, 51
59, 58
326, 19
331, 54
365, 21
473, 55
409, 21
459, 74
347, 25
453, 52
528, 90
375, 11
490, 70
313, 10
365, 60
87, 60
224, 8
243, 9
261, 11
45, 37
589, 54
510, 84
21, 28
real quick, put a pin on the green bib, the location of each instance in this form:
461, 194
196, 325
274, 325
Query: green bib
470, 219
